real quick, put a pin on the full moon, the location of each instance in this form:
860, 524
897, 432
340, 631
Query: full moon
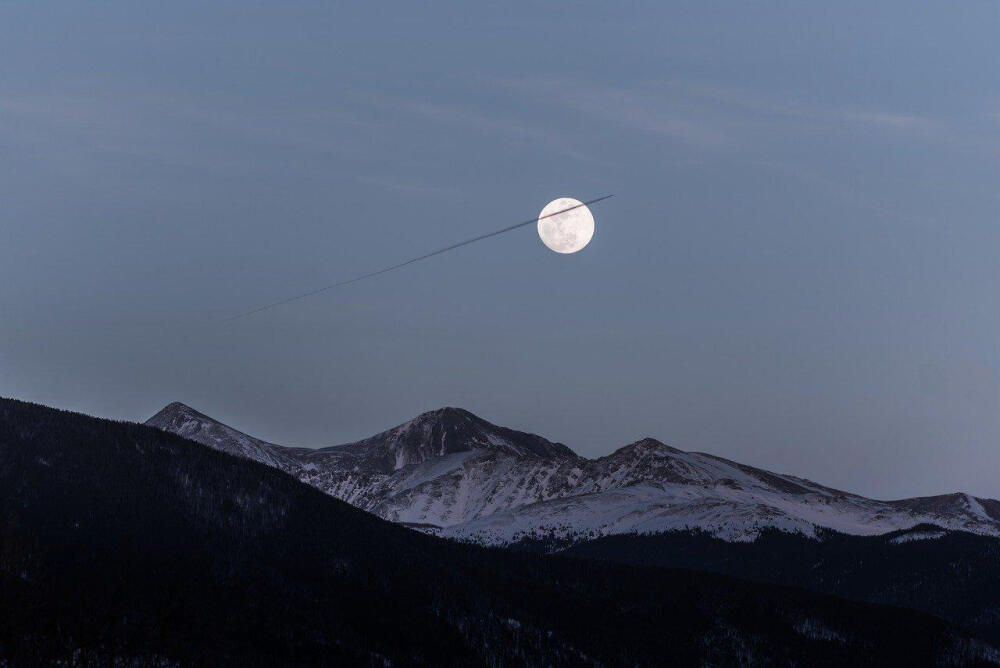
566, 232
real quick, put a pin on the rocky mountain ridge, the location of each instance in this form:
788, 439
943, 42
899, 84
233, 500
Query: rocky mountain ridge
454, 474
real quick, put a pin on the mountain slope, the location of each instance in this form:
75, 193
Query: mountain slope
189, 423
951, 574
451, 472
127, 545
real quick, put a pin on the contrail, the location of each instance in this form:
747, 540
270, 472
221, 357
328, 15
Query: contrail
407, 262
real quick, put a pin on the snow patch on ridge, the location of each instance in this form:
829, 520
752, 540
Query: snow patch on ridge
917, 535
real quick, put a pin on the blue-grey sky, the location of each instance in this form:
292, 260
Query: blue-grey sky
799, 269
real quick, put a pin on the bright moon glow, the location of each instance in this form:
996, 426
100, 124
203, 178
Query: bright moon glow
566, 232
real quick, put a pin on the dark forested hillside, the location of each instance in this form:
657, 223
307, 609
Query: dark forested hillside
951, 574
121, 542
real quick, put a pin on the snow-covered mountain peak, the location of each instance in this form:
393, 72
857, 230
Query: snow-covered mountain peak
447, 431
445, 414
474, 480
177, 408
185, 421
176, 415
646, 447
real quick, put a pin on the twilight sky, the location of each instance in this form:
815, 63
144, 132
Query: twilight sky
799, 269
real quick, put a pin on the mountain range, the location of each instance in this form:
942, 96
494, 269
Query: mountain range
454, 474
125, 545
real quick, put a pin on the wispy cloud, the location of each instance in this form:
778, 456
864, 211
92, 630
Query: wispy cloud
82, 131
703, 116
780, 107
456, 116
637, 108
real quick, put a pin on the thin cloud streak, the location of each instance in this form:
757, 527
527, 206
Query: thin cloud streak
704, 117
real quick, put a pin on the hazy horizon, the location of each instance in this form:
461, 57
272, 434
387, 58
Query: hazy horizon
798, 270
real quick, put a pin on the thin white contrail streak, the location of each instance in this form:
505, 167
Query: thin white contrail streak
411, 261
